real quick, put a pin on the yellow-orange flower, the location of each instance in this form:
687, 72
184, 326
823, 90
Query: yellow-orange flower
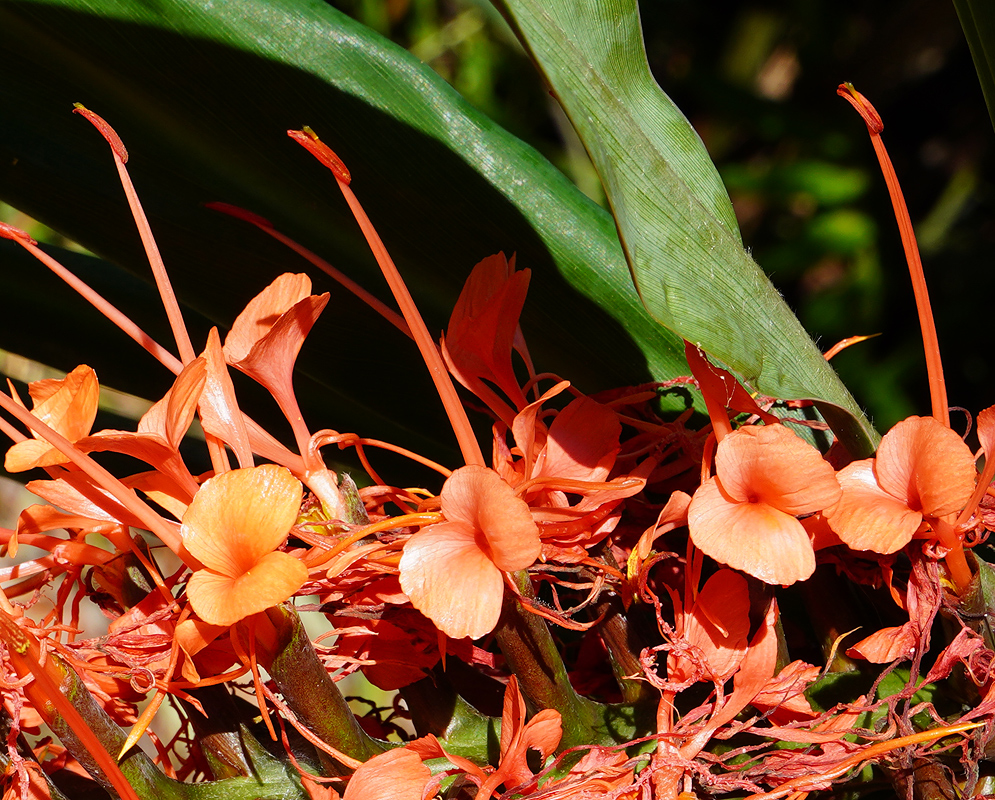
69, 406
233, 527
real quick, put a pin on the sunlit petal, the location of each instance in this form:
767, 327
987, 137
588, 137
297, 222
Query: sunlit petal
927, 465
479, 498
452, 581
582, 441
262, 312
395, 775
239, 516
753, 537
770, 464
223, 600
867, 517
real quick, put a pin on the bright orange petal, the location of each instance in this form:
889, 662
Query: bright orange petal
582, 441
395, 775
867, 517
482, 328
238, 517
986, 430
68, 405
30, 453
451, 580
72, 407
770, 464
222, 600
925, 464
480, 500
753, 537
719, 622
886, 645
263, 311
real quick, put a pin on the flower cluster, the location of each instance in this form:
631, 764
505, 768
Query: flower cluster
593, 610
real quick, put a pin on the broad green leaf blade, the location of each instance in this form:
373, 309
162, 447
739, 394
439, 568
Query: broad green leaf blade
977, 18
675, 221
203, 94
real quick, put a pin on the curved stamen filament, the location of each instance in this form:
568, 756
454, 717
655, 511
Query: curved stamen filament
931, 345
426, 345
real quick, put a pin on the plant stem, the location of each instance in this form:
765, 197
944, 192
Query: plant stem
533, 658
311, 693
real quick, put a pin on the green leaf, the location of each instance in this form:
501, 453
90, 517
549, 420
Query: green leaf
203, 93
673, 215
977, 18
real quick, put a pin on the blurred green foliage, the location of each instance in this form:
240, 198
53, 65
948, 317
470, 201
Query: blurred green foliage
758, 82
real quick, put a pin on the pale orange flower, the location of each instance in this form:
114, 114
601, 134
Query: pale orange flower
233, 527
922, 471
452, 571
745, 516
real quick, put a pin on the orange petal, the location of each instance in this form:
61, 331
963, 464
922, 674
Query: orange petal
769, 464
719, 622
867, 517
483, 325
986, 431
451, 580
238, 517
223, 600
69, 406
886, 645
395, 775
263, 311
925, 464
582, 442
219, 412
753, 537
171, 417
478, 498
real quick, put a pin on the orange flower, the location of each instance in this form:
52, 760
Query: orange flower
69, 406
542, 733
718, 626
923, 471
233, 527
452, 570
483, 330
746, 515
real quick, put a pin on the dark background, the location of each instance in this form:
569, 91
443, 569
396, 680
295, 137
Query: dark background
758, 81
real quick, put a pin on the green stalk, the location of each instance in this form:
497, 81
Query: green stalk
533, 658
311, 693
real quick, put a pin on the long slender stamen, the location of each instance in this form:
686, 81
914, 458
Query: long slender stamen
426, 345
145, 230
934, 366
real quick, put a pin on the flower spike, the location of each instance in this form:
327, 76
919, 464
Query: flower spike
934, 366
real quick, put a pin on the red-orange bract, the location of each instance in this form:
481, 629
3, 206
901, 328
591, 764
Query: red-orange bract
233, 527
452, 570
